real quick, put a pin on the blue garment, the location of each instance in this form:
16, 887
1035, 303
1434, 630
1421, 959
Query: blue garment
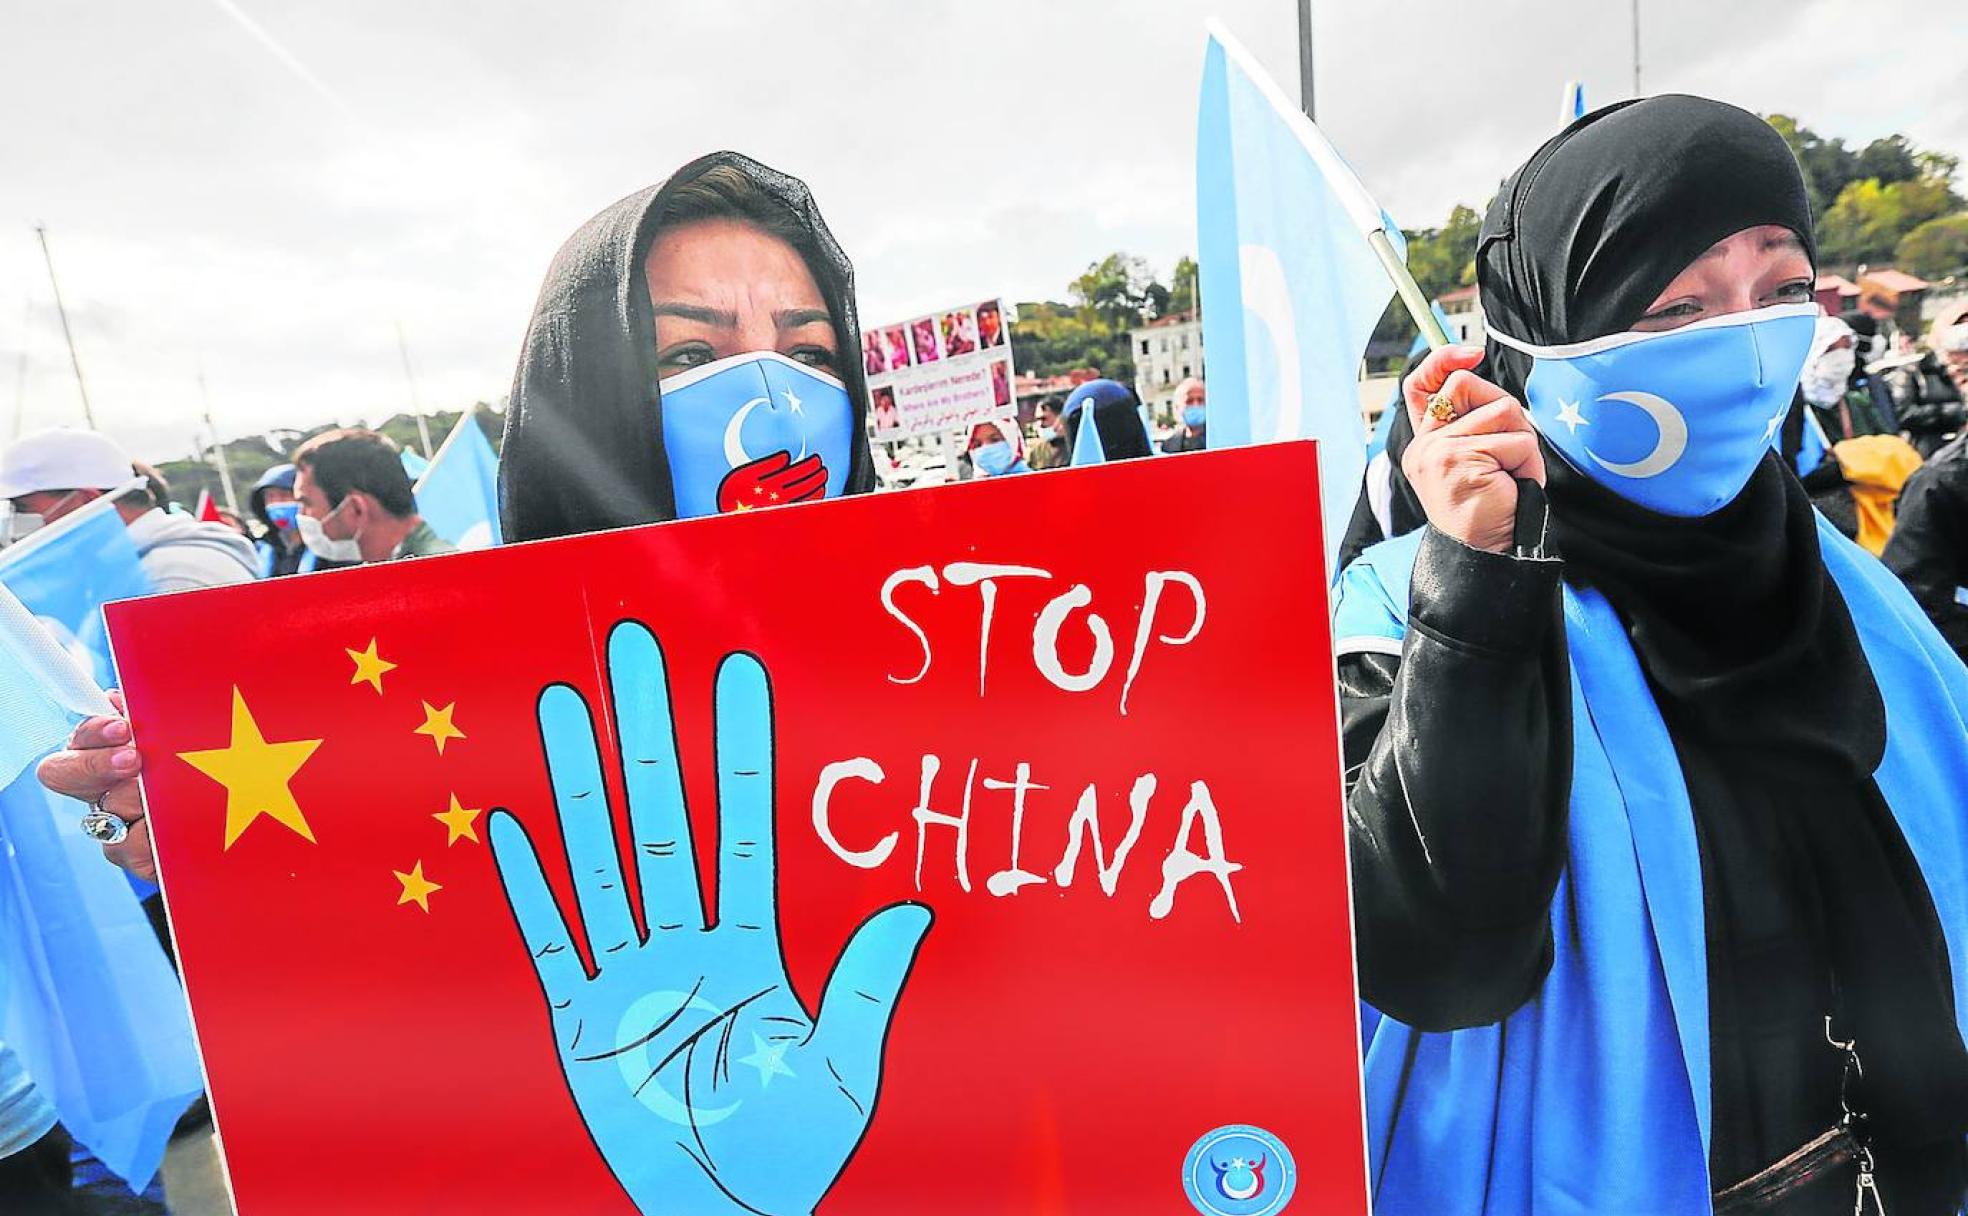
1594, 1096
25, 1113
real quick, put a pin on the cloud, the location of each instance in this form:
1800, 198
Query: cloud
208, 202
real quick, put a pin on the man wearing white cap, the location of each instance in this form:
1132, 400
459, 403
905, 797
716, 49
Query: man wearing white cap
51, 473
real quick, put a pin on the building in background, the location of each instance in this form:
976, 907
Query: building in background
1166, 351
1464, 314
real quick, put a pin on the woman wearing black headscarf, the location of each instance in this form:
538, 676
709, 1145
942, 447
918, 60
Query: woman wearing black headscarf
1658, 858
660, 319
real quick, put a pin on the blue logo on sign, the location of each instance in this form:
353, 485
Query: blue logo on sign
1239, 1171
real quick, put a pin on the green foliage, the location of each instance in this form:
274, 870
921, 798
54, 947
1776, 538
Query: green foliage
1870, 218
1185, 292
1935, 249
1117, 294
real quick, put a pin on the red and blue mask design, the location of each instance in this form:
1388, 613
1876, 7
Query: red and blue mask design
755, 430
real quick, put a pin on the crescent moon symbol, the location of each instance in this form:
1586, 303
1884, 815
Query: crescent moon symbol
1668, 450
734, 444
637, 1072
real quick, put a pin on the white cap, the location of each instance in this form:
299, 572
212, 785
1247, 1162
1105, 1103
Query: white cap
62, 460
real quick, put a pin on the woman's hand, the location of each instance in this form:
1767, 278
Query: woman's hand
1465, 470
101, 763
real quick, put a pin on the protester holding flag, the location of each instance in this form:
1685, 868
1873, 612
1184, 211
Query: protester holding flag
1659, 863
52, 473
353, 482
1117, 433
694, 351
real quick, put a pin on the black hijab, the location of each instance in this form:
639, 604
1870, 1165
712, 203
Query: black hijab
1753, 658
583, 447
1117, 418
1730, 609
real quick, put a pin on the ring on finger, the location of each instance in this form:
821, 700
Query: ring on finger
104, 826
1441, 408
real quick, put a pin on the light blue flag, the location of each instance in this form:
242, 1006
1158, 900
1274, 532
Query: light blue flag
459, 494
1574, 108
1291, 289
67, 571
87, 999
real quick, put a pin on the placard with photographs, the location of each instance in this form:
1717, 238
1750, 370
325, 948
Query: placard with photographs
931, 373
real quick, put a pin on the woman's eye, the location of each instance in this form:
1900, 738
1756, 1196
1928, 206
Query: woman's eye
1800, 290
814, 356
1686, 308
683, 358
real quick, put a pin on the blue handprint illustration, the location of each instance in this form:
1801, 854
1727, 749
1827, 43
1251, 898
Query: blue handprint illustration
704, 1081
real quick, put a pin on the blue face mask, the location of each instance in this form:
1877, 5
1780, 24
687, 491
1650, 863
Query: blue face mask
755, 430
283, 514
1675, 422
993, 459
1192, 417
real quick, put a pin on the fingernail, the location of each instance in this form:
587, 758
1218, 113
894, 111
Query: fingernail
124, 761
116, 730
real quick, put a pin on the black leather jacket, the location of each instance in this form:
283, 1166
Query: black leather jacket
1457, 845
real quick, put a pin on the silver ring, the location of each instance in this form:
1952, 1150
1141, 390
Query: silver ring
104, 827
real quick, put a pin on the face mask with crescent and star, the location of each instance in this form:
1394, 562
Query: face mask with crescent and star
1675, 421
755, 430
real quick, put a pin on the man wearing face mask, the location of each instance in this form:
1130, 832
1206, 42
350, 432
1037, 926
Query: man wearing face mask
1050, 451
1193, 435
53, 473
355, 501
272, 502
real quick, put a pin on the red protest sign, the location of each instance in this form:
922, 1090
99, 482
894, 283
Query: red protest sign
1003, 863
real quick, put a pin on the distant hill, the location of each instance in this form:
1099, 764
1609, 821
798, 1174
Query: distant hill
253, 455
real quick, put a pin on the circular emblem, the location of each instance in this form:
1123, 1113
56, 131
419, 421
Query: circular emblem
1239, 1170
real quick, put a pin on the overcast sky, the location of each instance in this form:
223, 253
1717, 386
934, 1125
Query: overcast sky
268, 187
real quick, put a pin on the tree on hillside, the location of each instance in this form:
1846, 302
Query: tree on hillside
1870, 218
1935, 249
1184, 290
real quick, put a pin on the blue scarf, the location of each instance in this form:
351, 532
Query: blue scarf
1594, 1096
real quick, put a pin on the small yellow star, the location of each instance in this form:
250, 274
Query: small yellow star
369, 667
438, 725
458, 823
255, 774
416, 887
738, 507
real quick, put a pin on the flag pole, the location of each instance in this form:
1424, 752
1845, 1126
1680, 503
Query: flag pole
218, 444
416, 406
88, 414
1409, 290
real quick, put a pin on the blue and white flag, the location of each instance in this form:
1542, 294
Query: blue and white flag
458, 495
67, 571
87, 999
1574, 107
1291, 289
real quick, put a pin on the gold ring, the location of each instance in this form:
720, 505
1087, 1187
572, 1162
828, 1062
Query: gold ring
1441, 409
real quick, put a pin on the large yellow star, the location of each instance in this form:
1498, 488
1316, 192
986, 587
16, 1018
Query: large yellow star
255, 774
369, 667
416, 887
458, 823
438, 725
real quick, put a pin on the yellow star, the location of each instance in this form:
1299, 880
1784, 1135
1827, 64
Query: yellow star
369, 667
739, 507
416, 887
255, 774
437, 724
458, 822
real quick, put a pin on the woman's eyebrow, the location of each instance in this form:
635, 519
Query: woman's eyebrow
695, 312
793, 318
